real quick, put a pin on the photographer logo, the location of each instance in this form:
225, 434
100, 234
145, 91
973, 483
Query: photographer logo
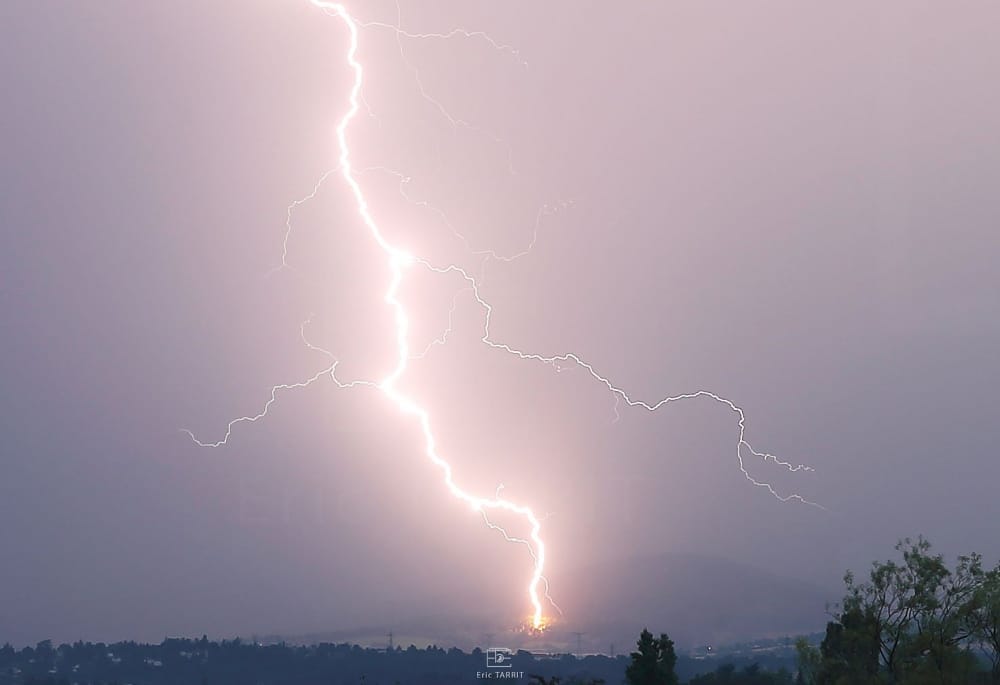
498, 657
499, 665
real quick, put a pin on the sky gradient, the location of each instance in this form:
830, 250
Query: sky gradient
794, 207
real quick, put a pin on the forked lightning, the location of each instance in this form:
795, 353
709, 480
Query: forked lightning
399, 262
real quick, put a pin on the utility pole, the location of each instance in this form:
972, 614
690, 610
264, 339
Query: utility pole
489, 640
389, 635
579, 639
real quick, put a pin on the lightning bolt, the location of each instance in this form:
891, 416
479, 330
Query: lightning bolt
453, 120
288, 219
400, 262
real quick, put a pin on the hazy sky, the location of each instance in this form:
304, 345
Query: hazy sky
792, 205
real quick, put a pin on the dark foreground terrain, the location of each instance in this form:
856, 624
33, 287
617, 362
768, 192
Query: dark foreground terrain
197, 662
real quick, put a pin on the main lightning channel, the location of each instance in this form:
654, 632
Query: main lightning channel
399, 259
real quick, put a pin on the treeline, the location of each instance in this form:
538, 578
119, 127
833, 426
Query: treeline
914, 620
236, 662
655, 663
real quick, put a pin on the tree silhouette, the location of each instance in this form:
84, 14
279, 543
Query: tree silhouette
654, 662
984, 618
540, 680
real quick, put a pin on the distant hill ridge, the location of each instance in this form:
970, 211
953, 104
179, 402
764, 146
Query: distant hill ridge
699, 600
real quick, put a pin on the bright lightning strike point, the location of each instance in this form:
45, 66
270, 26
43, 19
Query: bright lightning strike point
398, 261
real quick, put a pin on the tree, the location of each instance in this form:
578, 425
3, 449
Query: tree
810, 660
942, 625
984, 619
850, 650
893, 598
913, 621
654, 662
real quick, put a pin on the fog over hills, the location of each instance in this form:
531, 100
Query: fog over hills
698, 600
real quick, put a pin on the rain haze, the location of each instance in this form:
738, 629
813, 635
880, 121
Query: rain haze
792, 206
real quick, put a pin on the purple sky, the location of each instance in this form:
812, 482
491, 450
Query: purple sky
792, 206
